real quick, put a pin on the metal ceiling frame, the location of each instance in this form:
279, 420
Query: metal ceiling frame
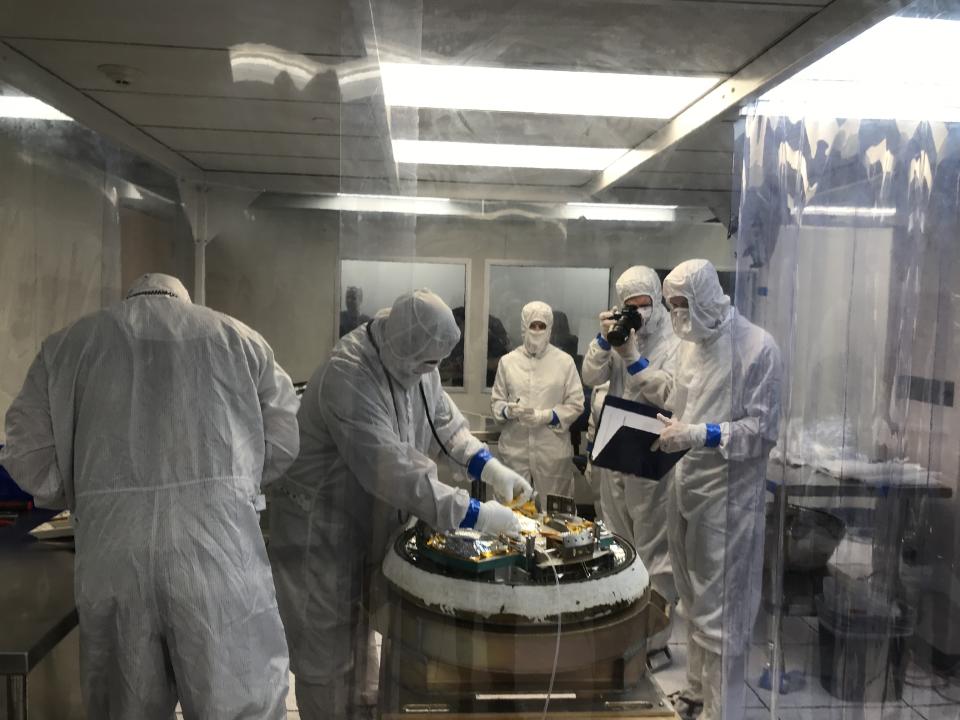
838, 22
31, 78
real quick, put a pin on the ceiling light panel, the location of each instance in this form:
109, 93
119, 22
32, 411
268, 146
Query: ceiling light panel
543, 157
550, 92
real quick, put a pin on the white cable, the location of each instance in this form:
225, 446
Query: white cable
556, 653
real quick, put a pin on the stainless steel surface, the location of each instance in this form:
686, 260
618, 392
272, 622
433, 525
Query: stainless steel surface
474, 669
37, 609
809, 482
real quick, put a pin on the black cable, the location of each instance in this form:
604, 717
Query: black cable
426, 409
393, 395
423, 395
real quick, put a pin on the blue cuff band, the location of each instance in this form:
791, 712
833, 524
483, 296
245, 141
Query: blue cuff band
601, 341
590, 446
555, 421
477, 463
473, 512
639, 365
713, 435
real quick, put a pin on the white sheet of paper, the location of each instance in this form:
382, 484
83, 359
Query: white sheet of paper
615, 418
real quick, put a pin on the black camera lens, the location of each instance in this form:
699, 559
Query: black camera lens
626, 319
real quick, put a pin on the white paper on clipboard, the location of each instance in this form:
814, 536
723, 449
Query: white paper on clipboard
615, 418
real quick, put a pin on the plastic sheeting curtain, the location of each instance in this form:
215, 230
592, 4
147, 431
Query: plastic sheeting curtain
847, 253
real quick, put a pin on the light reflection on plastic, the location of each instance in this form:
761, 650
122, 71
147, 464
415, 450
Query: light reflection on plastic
253, 62
543, 157
22, 107
849, 211
902, 68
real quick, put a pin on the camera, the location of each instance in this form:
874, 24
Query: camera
627, 318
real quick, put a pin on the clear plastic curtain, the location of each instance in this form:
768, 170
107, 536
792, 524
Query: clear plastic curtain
847, 244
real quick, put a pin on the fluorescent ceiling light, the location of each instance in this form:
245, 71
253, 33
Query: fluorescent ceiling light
388, 204
612, 211
550, 92
902, 68
28, 108
849, 211
544, 157
526, 696
496, 209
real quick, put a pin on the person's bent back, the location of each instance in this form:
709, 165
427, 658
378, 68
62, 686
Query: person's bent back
157, 423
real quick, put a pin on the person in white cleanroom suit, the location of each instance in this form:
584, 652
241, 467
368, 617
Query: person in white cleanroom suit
592, 474
724, 393
157, 423
367, 462
633, 506
538, 395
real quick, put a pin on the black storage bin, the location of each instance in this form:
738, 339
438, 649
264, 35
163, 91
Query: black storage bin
863, 655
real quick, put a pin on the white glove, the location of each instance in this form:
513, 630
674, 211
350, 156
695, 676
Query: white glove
507, 485
511, 410
494, 519
630, 350
530, 417
677, 436
606, 322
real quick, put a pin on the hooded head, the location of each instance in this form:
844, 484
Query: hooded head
637, 282
536, 340
416, 335
707, 306
353, 299
158, 284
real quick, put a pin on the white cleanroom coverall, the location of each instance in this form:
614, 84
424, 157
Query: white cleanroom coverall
725, 399
157, 423
537, 396
633, 506
366, 464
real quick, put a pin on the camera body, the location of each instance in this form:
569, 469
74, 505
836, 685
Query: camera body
627, 318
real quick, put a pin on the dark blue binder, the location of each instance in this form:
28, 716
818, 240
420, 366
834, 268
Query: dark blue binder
629, 448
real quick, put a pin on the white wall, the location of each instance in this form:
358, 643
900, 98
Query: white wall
277, 269
59, 249
579, 292
383, 281
151, 243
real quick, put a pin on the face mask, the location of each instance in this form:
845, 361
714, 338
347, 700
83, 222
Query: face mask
682, 326
535, 341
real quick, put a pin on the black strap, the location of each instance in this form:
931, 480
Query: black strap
426, 409
393, 395
423, 397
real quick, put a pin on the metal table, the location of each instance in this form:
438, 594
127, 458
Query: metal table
892, 501
39, 646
